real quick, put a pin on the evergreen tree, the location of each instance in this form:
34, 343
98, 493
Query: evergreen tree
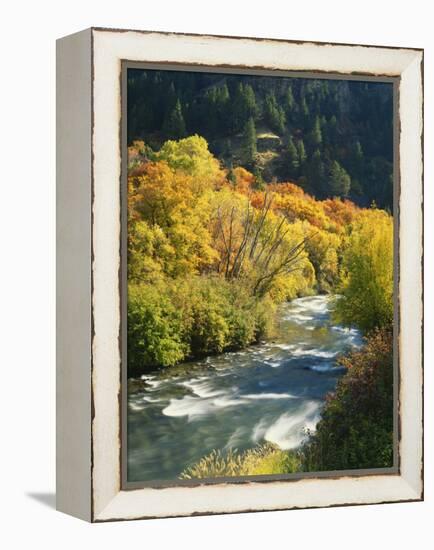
289, 99
171, 95
280, 120
332, 129
301, 152
244, 106
315, 136
339, 180
249, 142
224, 93
293, 158
250, 101
315, 174
211, 116
259, 182
350, 123
174, 124
356, 157
356, 166
227, 149
231, 176
274, 114
377, 182
222, 108
304, 112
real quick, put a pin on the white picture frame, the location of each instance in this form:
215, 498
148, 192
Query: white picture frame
89, 424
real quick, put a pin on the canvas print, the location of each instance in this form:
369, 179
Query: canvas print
260, 292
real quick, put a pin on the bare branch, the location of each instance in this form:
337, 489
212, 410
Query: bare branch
264, 212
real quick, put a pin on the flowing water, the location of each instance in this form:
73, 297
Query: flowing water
268, 392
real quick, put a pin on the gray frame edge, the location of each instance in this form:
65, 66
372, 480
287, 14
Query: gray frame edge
73, 274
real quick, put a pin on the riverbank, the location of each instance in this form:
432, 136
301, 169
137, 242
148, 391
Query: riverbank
355, 430
268, 393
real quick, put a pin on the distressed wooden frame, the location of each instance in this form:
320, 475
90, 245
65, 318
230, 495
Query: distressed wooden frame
89, 273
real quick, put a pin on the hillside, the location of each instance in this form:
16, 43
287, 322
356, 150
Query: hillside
333, 138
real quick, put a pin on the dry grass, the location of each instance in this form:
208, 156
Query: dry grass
265, 459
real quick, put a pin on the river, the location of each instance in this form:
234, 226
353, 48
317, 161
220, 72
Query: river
272, 392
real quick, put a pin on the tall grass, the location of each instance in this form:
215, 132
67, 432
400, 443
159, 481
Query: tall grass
265, 459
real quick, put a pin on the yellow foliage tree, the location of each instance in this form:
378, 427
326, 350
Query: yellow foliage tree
192, 156
367, 276
165, 199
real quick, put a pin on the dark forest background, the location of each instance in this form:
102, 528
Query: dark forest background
331, 137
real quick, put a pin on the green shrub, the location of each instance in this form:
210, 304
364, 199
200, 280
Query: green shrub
221, 315
265, 318
155, 332
209, 331
174, 320
356, 429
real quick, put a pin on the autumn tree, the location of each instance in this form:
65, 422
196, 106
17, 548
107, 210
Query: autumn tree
356, 429
367, 276
243, 180
166, 199
192, 156
350, 124
257, 245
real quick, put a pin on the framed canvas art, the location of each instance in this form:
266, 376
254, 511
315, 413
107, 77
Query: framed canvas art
239, 259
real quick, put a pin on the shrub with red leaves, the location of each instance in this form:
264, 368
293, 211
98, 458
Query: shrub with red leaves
356, 429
